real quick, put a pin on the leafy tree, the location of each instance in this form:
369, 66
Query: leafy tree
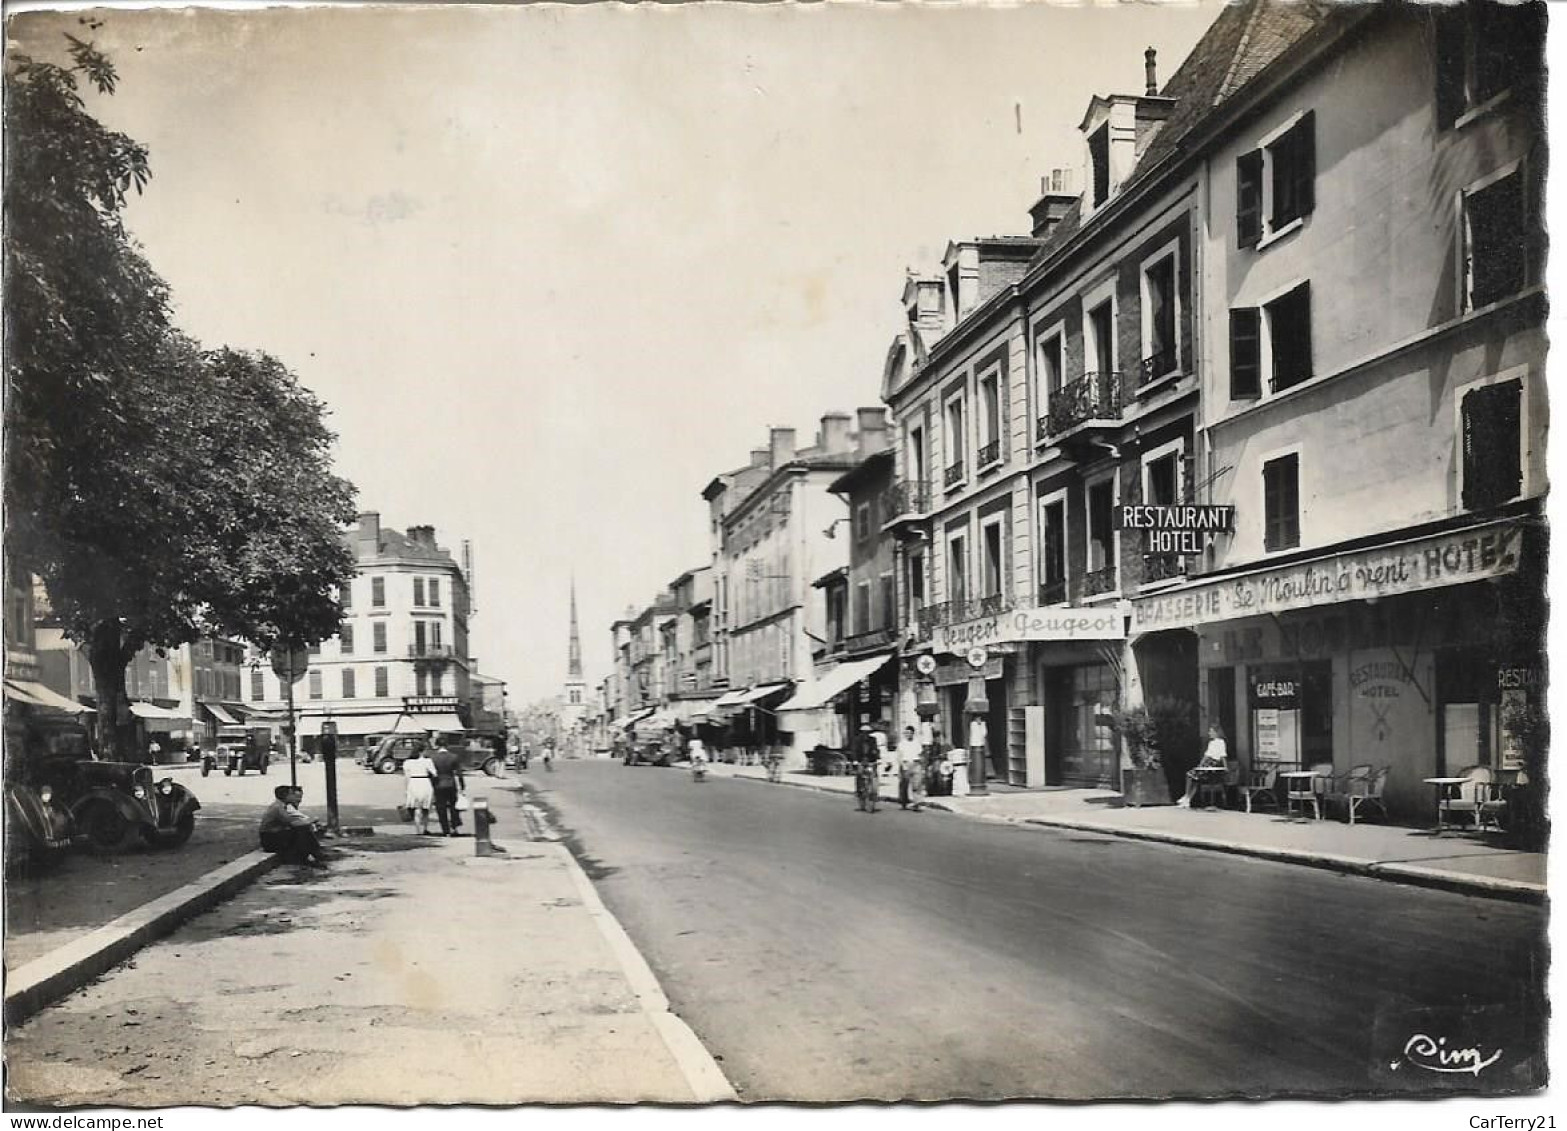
162, 493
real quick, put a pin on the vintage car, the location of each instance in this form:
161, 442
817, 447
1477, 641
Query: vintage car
37, 826
388, 755
112, 804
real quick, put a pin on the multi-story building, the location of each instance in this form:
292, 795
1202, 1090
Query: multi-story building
1373, 389
487, 703
618, 686
649, 655
688, 646
775, 536
400, 659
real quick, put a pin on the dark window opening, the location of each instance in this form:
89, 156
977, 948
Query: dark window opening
1289, 335
1495, 242
1492, 444
1281, 503
1294, 161
1099, 156
1102, 322
1245, 353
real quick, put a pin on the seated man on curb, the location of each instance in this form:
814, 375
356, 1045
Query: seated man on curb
288, 832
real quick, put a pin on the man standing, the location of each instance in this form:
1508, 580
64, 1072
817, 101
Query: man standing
288, 832
448, 780
911, 771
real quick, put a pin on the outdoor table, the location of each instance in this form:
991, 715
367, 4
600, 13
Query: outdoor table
1294, 775
1442, 786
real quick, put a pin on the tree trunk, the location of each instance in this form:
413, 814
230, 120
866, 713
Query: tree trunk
106, 655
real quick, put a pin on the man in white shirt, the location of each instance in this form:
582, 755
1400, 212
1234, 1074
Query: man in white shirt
911, 771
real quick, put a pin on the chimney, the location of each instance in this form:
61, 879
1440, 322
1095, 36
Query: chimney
422, 536
368, 541
836, 437
1152, 72
1055, 201
759, 457
781, 446
873, 430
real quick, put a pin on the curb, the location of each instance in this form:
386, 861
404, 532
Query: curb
1412, 874
66, 969
702, 1074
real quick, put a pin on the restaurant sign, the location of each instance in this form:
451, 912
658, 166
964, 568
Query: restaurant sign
1107, 623
1176, 530
1474, 554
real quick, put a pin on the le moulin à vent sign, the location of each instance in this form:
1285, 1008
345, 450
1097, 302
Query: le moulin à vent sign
1474, 554
1108, 623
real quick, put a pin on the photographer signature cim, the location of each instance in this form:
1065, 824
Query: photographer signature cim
1433, 1055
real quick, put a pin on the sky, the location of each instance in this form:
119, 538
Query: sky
554, 268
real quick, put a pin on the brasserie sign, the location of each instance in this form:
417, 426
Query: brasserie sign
1108, 623
1474, 554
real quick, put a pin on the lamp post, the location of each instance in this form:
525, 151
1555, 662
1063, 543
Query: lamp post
329, 763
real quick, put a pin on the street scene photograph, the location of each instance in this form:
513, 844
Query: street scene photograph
777, 561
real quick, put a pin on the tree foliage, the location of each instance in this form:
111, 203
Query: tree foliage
162, 492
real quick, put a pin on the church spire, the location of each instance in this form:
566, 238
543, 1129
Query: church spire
574, 655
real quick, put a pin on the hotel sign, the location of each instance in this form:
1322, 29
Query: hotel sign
1021, 625
1176, 530
1474, 554
424, 703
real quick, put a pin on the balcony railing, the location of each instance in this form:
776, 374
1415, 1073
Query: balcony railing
1099, 581
1161, 364
431, 651
990, 453
906, 497
1095, 396
875, 638
1052, 592
954, 474
1163, 567
969, 608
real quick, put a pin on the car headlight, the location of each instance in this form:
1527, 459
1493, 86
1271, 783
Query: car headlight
139, 792
46, 795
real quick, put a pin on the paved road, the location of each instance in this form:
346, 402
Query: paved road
825, 954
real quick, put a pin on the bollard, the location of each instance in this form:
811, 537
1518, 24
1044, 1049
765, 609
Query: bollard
482, 820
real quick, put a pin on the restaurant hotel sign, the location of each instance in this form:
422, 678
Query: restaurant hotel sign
1176, 530
1108, 623
1473, 554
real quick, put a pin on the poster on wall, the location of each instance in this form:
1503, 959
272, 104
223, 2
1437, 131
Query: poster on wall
1266, 721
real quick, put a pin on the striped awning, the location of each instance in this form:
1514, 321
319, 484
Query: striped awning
37, 695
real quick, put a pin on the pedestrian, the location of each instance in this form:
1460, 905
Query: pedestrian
1215, 757
911, 771
419, 793
288, 832
513, 749
447, 782
154, 751
883, 753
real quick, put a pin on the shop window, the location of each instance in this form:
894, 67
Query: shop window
1492, 425
418, 592
1495, 241
348, 683
378, 592
1275, 184
1483, 50
1281, 502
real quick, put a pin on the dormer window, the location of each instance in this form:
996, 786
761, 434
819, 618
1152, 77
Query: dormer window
1099, 159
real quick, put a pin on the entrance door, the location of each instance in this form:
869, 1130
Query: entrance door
1082, 700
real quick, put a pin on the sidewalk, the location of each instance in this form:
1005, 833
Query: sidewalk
414, 973
1452, 860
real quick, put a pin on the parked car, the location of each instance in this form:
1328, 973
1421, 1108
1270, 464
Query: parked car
388, 755
111, 804
38, 826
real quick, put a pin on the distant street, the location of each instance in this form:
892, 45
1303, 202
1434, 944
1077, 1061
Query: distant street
826, 954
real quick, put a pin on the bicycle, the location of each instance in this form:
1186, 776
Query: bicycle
867, 791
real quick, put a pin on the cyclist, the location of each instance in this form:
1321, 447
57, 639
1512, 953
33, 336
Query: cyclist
867, 788
549, 754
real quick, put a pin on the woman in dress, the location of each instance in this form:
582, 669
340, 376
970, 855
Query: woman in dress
419, 771
1216, 757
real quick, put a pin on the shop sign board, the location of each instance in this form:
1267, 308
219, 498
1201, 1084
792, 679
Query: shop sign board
1176, 530
958, 672
1475, 554
1022, 625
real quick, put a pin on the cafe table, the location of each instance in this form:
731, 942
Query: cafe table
1292, 791
1442, 786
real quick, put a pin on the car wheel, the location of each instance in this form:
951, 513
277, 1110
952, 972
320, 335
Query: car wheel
105, 827
227, 772
386, 766
492, 767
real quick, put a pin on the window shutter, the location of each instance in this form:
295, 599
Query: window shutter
1248, 198
1306, 162
1245, 353
1492, 418
1449, 34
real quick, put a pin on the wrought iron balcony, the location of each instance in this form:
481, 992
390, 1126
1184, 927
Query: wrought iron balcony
431, 651
969, 608
954, 474
990, 453
1099, 581
864, 641
905, 499
1095, 396
1161, 364
1052, 592
1163, 567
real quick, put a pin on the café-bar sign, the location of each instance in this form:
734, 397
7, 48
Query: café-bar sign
1176, 530
1474, 554
1108, 623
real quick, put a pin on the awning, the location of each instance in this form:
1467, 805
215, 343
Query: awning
153, 711
730, 699
37, 695
762, 692
837, 681
658, 719
357, 725
221, 714
430, 720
